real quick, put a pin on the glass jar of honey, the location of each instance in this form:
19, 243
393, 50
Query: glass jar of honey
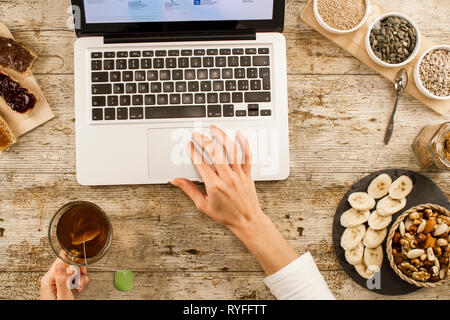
432, 147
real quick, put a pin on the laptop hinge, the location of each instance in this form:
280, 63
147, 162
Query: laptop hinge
181, 37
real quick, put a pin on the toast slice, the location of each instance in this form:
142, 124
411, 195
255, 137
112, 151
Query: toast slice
15, 56
7, 137
20, 99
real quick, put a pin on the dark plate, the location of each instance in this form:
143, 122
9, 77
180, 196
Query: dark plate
424, 191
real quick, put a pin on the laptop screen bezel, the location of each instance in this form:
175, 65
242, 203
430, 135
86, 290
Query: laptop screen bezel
91, 29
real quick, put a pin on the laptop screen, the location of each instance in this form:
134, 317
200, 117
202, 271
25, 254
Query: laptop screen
136, 11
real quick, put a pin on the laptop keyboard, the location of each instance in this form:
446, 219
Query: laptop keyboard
181, 83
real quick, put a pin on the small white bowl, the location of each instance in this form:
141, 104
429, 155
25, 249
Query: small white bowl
381, 62
417, 76
333, 30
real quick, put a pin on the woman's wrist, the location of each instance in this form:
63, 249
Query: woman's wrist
251, 229
266, 243
246, 229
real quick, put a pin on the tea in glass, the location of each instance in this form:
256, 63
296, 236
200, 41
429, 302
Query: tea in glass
80, 233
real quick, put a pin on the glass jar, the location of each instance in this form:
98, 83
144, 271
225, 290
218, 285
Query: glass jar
432, 147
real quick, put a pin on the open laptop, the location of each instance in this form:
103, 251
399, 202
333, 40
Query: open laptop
149, 73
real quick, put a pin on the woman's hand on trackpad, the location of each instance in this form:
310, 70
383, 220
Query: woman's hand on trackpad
231, 197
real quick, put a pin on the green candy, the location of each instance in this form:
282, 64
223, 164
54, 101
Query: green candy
123, 280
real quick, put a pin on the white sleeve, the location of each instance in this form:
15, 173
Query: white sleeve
299, 280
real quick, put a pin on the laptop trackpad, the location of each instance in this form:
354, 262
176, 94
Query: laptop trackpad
168, 156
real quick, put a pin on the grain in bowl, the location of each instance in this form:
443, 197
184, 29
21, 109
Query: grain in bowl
341, 16
432, 72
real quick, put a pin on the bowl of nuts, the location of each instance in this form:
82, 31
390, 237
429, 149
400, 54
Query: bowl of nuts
418, 245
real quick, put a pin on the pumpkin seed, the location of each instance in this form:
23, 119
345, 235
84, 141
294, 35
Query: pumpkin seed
392, 39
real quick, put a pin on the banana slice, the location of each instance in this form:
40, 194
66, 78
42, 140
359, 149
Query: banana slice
401, 188
361, 201
373, 238
366, 272
373, 256
378, 222
388, 206
353, 217
379, 187
355, 255
352, 236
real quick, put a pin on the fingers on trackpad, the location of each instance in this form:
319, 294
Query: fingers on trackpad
168, 156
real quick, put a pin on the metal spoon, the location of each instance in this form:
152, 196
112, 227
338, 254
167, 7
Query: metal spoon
401, 81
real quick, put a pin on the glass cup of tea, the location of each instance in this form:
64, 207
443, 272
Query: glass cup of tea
80, 233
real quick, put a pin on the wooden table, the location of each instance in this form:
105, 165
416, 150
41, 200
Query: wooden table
338, 111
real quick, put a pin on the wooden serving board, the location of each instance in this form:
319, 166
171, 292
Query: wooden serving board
41, 113
354, 43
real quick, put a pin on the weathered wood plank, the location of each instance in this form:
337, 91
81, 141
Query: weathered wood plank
159, 229
172, 286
